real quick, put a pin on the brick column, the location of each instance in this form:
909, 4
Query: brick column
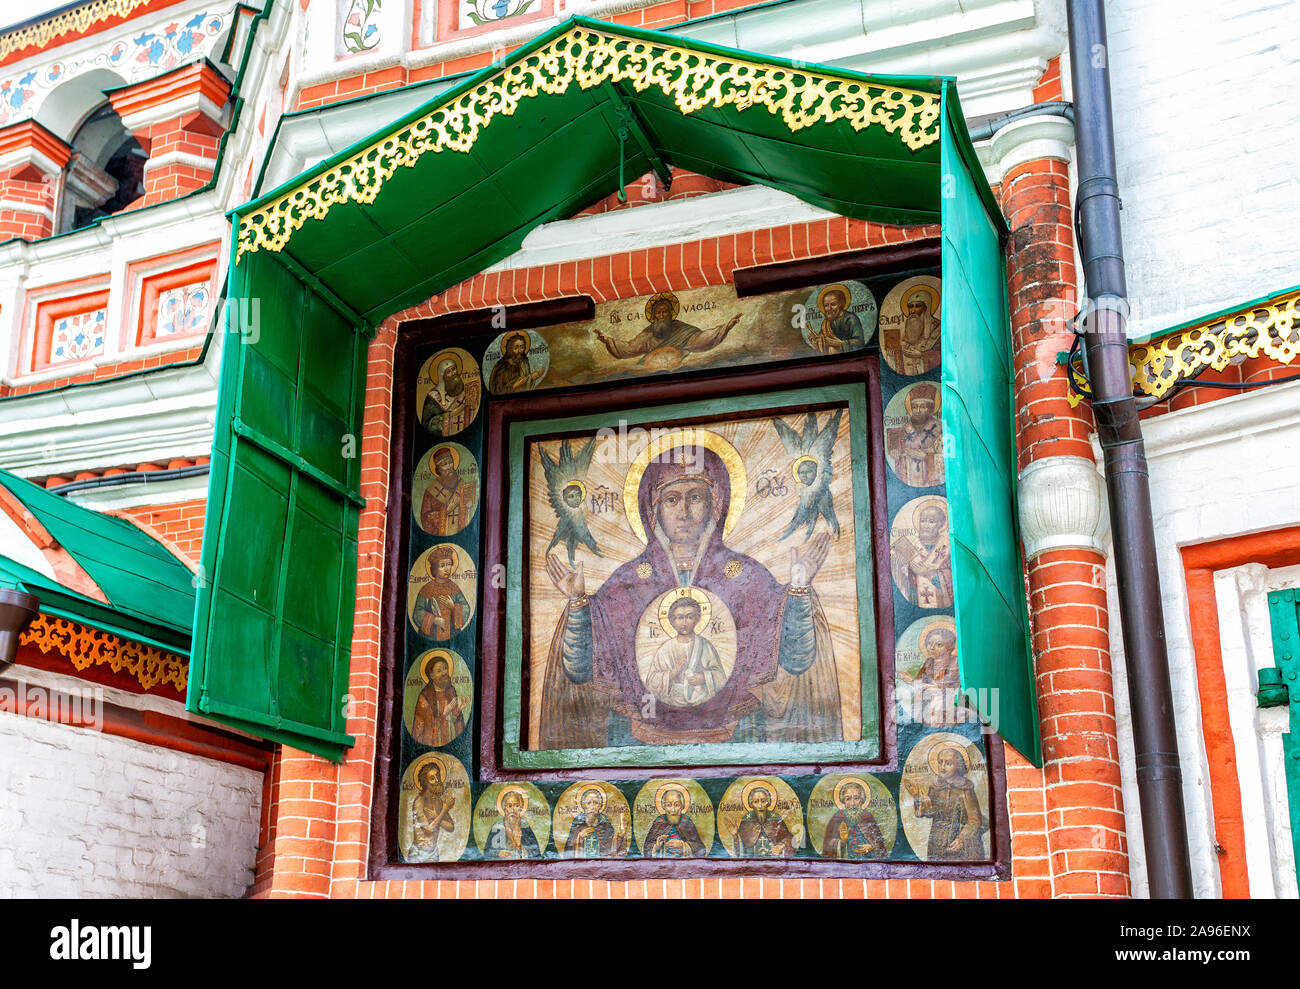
31, 168
178, 118
1061, 497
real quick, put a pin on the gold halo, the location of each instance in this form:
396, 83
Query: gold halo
821, 297
933, 755
758, 784
911, 391
570, 483
418, 767
669, 296
675, 595
433, 551
663, 789
941, 622
858, 781
925, 290
933, 500
501, 797
794, 467
443, 654
455, 455
588, 787
687, 436
447, 355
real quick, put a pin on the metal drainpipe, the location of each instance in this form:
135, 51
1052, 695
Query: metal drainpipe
17, 610
1155, 739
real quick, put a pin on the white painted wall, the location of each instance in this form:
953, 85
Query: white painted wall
84, 814
1204, 96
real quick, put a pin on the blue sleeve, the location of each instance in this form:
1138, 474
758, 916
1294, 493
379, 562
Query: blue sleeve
576, 646
798, 634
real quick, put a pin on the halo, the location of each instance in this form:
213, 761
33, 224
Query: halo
925, 290
433, 553
942, 622
675, 439
501, 798
570, 483
933, 757
670, 787
429, 759
857, 781
821, 297
794, 468
669, 296
758, 784
942, 504
443, 654
588, 788
455, 455
448, 355
675, 595
911, 392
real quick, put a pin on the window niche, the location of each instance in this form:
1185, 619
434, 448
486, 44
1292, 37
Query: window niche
670, 582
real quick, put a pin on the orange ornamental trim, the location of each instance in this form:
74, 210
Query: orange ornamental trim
197, 78
85, 647
1278, 548
30, 135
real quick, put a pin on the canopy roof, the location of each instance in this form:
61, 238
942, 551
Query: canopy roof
453, 187
440, 195
150, 592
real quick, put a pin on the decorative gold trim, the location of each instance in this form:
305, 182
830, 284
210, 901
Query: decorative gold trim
692, 79
79, 19
1271, 329
87, 647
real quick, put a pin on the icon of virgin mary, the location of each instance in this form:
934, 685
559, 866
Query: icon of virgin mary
782, 685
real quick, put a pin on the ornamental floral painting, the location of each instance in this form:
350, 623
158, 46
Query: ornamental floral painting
698, 583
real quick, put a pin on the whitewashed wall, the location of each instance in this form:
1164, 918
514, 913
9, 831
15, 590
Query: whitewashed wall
85, 814
1204, 96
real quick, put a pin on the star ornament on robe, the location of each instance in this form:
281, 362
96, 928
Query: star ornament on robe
567, 489
812, 471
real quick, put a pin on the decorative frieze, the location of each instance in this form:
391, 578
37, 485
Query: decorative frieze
1266, 329
86, 647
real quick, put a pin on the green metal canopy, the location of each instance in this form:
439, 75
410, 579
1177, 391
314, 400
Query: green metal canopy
454, 187
150, 592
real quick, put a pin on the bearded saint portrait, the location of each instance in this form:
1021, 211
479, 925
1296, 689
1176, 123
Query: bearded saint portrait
453, 400
782, 685
666, 340
911, 346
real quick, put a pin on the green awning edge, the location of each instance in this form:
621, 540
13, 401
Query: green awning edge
1214, 317
88, 537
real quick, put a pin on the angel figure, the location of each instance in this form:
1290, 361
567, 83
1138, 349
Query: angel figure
812, 470
566, 488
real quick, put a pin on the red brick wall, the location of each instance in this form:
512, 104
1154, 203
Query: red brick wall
320, 840
181, 522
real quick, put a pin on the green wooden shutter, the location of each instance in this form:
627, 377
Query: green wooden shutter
979, 448
1283, 609
273, 618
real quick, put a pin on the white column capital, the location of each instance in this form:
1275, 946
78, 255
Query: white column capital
1026, 139
1061, 505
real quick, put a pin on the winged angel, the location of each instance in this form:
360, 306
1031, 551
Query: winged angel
812, 470
567, 489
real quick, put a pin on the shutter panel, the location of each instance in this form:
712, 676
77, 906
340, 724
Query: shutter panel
1284, 610
980, 451
273, 619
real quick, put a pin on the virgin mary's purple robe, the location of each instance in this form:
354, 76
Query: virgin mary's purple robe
784, 663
